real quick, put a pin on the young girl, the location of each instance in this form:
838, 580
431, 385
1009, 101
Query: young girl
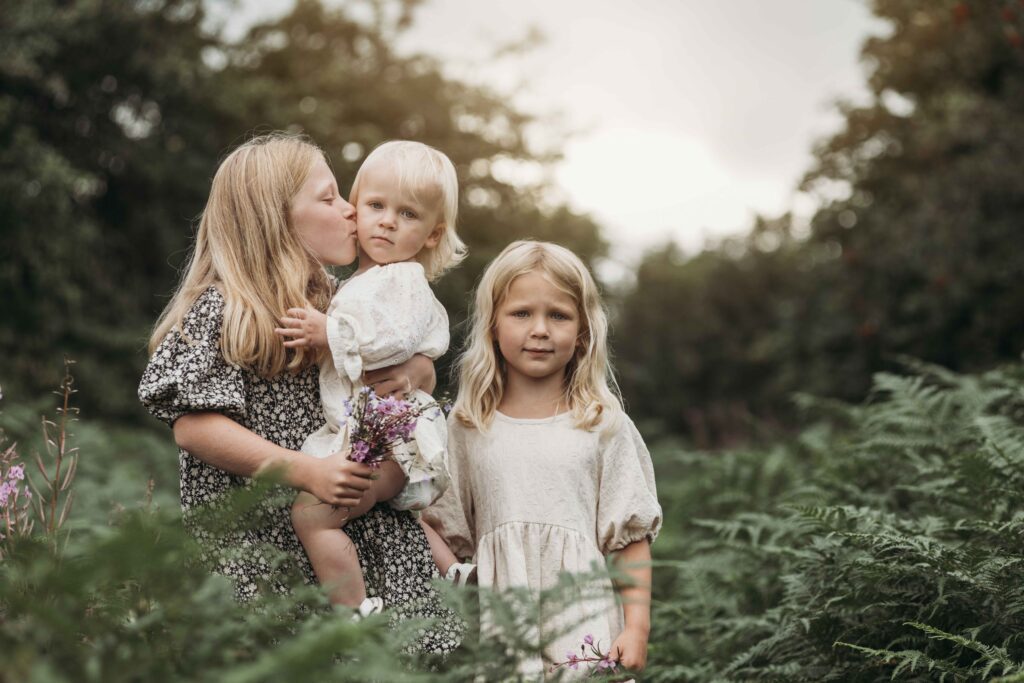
240, 403
406, 198
548, 474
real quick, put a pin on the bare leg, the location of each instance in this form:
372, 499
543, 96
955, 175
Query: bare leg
443, 555
330, 550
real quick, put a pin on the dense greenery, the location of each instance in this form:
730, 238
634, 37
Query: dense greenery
885, 540
910, 252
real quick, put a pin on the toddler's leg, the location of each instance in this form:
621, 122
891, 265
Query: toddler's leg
330, 550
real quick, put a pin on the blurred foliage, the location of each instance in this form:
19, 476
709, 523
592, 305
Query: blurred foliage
910, 253
126, 594
113, 116
884, 541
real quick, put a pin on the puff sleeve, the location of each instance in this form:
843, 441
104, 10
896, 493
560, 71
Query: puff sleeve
452, 515
384, 317
187, 372
627, 508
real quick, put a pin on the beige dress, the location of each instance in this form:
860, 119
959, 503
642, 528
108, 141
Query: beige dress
533, 498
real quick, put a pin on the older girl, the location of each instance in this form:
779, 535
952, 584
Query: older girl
240, 403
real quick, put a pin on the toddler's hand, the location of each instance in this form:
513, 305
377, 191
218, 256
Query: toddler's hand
630, 649
303, 327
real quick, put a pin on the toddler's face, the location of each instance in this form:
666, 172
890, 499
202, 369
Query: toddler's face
392, 225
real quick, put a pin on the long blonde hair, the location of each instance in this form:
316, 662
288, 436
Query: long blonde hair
246, 246
427, 174
590, 388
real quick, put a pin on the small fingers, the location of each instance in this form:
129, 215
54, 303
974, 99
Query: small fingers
293, 343
299, 313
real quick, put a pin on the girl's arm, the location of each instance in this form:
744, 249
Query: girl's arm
223, 443
630, 648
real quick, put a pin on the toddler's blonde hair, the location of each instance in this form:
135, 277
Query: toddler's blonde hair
590, 388
247, 247
429, 176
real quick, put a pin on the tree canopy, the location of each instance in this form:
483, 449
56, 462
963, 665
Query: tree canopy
911, 253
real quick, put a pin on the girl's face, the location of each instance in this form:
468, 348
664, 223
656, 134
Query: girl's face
393, 225
537, 327
322, 218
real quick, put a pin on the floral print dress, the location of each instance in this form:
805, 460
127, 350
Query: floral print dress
188, 373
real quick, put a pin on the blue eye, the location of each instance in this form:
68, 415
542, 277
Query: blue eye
520, 314
411, 215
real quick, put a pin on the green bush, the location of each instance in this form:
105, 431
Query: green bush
886, 541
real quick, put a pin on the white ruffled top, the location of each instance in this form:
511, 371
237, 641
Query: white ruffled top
379, 318
531, 498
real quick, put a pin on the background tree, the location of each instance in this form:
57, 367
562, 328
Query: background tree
107, 155
912, 251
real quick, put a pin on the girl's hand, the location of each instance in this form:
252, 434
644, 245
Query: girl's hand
336, 480
402, 380
303, 327
630, 649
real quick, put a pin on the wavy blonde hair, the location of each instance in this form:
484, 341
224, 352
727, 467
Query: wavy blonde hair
590, 388
429, 176
247, 247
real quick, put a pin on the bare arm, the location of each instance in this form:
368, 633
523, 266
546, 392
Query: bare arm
221, 442
630, 648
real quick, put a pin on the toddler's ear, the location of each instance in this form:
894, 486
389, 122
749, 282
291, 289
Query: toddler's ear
434, 238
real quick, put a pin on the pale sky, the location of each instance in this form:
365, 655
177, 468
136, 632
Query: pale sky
690, 116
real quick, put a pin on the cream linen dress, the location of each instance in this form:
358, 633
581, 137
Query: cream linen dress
377, 319
532, 498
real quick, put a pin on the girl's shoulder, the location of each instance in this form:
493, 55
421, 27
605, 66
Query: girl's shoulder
204, 317
615, 424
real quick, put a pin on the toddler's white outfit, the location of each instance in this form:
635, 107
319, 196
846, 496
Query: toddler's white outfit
377, 319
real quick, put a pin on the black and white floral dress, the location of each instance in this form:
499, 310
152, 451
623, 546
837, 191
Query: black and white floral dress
186, 376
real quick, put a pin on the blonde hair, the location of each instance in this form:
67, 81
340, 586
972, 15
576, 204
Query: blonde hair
429, 176
246, 246
590, 388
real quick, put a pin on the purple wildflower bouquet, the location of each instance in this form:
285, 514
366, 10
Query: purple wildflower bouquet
598, 662
378, 425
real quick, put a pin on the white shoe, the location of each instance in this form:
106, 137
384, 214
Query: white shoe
460, 573
367, 607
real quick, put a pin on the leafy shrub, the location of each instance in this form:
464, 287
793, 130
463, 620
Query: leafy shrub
885, 541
